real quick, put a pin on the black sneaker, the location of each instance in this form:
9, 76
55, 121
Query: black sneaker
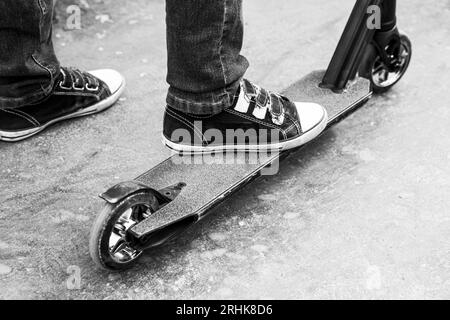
259, 120
75, 94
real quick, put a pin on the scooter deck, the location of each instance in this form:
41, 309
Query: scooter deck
206, 185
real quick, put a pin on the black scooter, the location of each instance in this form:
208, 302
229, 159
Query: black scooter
371, 57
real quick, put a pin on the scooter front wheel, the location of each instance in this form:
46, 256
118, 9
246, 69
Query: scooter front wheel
384, 75
110, 244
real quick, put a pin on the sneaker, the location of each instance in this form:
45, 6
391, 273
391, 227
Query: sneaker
75, 94
259, 120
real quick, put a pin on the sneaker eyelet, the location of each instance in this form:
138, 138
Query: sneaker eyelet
91, 89
63, 87
77, 88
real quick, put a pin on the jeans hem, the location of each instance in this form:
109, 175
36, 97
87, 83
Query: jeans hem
202, 103
34, 97
14, 103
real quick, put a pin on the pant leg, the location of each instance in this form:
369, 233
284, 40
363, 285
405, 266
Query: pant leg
28, 65
204, 40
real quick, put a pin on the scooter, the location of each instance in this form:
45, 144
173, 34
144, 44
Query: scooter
165, 201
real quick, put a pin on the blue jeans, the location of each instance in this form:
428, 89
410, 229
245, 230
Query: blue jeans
28, 65
204, 39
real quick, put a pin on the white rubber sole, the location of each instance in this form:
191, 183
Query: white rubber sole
15, 136
306, 137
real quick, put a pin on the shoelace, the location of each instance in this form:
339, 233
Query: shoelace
74, 79
265, 100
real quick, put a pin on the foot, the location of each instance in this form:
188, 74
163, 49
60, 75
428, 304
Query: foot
259, 120
75, 94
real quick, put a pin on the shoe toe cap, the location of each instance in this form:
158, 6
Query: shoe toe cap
310, 114
113, 79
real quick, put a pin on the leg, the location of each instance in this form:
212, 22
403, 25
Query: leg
208, 95
35, 91
204, 40
28, 65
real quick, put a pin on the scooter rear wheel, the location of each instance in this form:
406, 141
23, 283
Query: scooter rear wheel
110, 246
